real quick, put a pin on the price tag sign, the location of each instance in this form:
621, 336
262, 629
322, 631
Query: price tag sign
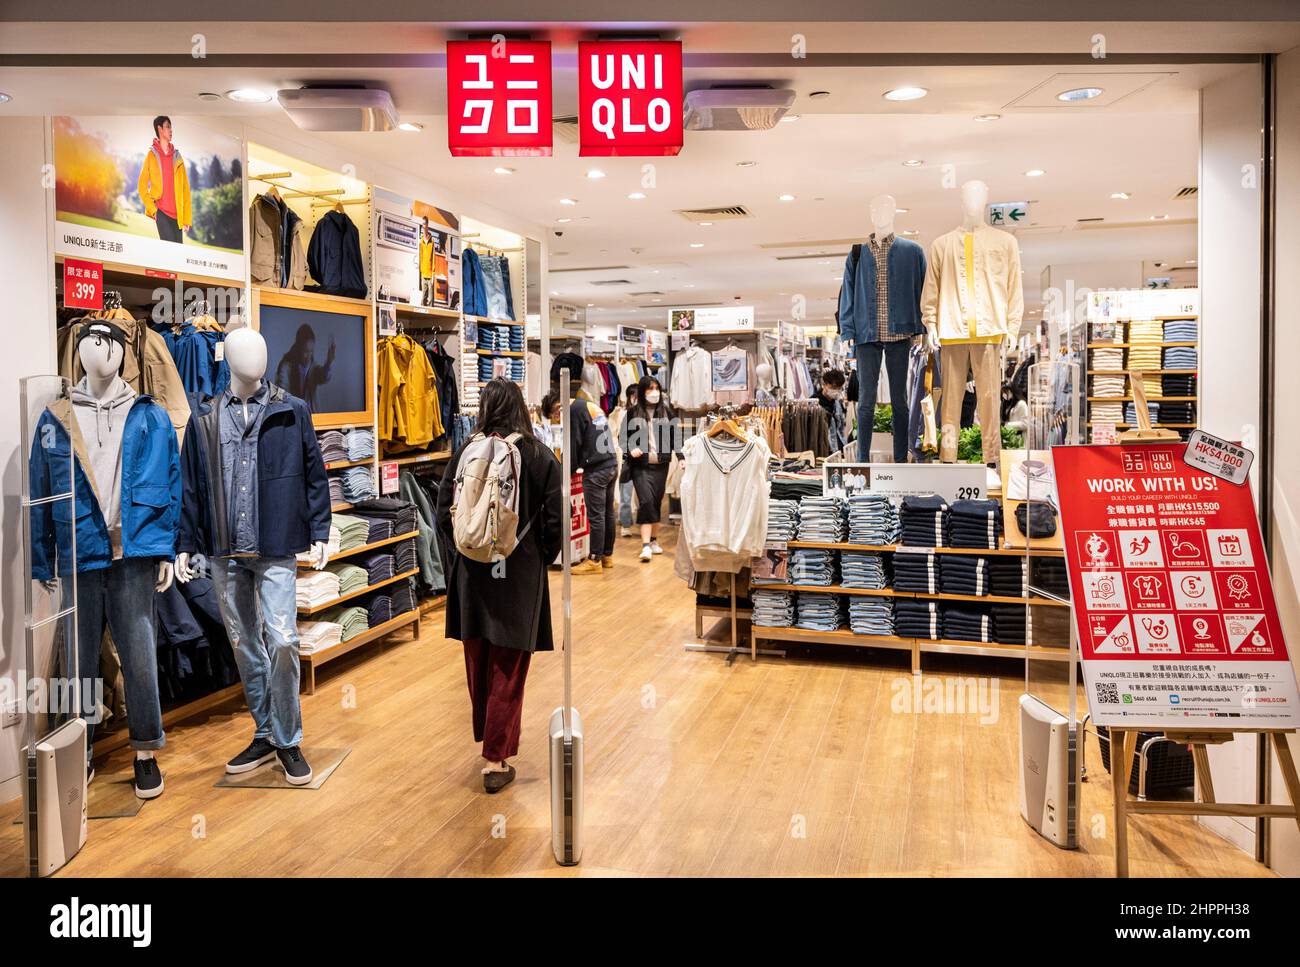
1227, 461
83, 284
388, 478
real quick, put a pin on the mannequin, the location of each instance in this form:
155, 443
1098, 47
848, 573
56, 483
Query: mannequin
972, 307
765, 384
256, 495
879, 313
126, 472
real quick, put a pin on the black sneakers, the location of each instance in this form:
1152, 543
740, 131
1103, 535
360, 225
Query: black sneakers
259, 751
296, 770
148, 779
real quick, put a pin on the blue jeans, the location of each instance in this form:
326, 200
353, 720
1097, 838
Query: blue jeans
895, 356
260, 611
625, 503
122, 593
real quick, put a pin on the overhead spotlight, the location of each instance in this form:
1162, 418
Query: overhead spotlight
248, 95
818, 95
705, 224
790, 117
595, 173
988, 117
637, 195
901, 211
913, 163
746, 164
1035, 173
568, 201
1080, 94
503, 171
410, 126
1121, 195
1158, 218
906, 94
697, 245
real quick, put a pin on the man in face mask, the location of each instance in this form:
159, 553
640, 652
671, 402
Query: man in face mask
831, 397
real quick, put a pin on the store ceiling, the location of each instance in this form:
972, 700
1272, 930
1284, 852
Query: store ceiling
845, 149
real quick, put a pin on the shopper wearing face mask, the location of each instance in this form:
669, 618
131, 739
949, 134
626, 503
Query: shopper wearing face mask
651, 433
831, 397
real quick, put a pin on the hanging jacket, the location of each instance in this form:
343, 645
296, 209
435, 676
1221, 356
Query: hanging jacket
150, 499
474, 291
150, 185
293, 492
147, 365
444, 372
906, 268
409, 409
334, 257
278, 256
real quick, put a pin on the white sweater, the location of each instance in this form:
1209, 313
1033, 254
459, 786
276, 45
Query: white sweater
724, 501
692, 382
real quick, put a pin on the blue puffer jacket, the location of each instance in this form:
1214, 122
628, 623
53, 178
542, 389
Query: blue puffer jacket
151, 492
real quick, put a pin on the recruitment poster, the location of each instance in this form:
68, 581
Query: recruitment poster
1173, 602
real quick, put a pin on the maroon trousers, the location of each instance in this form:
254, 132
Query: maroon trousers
496, 678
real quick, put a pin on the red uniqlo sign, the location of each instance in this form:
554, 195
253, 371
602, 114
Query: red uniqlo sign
83, 284
1171, 591
630, 97
499, 98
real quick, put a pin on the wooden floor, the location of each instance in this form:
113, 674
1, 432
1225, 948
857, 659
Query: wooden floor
800, 766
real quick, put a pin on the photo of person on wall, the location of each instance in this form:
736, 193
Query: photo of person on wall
426, 264
297, 371
164, 184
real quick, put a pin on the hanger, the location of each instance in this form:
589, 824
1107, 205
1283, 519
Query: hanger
727, 425
338, 207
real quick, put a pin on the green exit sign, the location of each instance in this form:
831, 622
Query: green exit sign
1006, 214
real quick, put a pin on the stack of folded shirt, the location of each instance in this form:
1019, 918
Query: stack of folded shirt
379, 567
821, 519
1107, 412
810, 566
1178, 384
353, 531
1007, 576
922, 521
917, 619
361, 444
782, 519
871, 616
351, 578
403, 597
314, 588
1130, 413
916, 573
331, 546
975, 523
379, 610
1180, 330
1109, 359
351, 618
818, 611
861, 569
333, 446
1109, 386
1177, 412
1180, 357
336, 490
400, 512
964, 574
1146, 330
872, 520
404, 558
1009, 623
358, 484
380, 528
1144, 338
967, 622
790, 486
1048, 573
772, 609
314, 636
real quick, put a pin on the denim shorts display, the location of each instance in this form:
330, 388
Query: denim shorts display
871, 616
872, 520
917, 619
967, 622
782, 519
863, 569
917, 573
822, 519
810, 566
819, 611
772, 609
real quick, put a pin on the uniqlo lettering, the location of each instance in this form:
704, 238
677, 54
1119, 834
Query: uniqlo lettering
499, 98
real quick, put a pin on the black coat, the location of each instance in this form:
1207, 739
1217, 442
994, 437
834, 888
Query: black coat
510, 605
334, 257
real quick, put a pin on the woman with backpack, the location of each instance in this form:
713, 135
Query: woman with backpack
498, 604
650, 434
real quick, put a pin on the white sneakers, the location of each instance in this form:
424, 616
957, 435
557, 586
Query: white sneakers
655, 548
646, 553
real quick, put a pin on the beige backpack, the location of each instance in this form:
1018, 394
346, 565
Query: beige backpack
485, 503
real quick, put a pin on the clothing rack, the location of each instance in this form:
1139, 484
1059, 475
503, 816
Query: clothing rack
276, 180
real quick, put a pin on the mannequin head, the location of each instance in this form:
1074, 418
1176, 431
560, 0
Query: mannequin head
100, 358
883, 208
246, 355
974, 199
764, 376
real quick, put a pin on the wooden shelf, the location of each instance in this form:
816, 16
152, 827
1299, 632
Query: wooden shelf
1150, 399
842, 636
1137, 345
316, 609
324, 298
501, 352
1171, 426
1145, 372
340, 508
407, 307
365, 547
344, 464
908, 549
917, 646
491, 322
429, 457
312, 659
910, 595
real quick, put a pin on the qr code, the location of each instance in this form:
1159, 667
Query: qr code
1107, 693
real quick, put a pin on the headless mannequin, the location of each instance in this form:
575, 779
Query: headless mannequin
246, 356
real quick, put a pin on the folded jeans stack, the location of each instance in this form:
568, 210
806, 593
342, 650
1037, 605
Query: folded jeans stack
378, 528
862, 569
1178, 384
400, 512
361, 444
922, 521
1007, 576
1177, 412
819, 611
1009, 623
821, 519
872, 520
782, 519
975, 523
1048, 573
917, 573
379, 567
772, 609
967, 622
814, 567
333, 446
379, 610
917, 619
405, 557
358, 484
403, 596
964, 574
871, 616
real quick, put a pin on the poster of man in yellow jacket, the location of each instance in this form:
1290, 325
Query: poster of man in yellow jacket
164, 184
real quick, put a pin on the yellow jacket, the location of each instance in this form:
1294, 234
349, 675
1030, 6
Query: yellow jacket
150, 186
409, 410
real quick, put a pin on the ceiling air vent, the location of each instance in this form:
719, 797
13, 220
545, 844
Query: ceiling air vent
611, 281
590, 268
714, 214
644, 295
1181, 193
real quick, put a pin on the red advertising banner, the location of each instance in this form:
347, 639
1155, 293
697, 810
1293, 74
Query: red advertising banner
499, 98
630, 97
1172, 596
83, 284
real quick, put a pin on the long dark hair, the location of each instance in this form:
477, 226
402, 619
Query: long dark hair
644, 410
501, 409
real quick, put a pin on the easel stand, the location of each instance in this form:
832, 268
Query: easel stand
1124, 744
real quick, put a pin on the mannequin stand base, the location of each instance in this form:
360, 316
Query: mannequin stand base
271, 774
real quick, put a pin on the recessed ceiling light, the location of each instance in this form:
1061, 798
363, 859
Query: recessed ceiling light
787, 198
818, 95
1158, 218
411, 126
789, 117
910, 231
1079, 94
746, 164
1121, 195
901, 211
705, 224
906, 94
590, 304
204, 96
248, 95
988, 117
503, 171
568, 201
1035, 173
697, 245
637, 195
595, 173
913, 163
564, 221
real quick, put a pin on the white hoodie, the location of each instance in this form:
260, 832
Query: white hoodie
102, 423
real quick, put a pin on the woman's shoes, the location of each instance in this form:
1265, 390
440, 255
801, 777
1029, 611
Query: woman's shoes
646, 553
495, 781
